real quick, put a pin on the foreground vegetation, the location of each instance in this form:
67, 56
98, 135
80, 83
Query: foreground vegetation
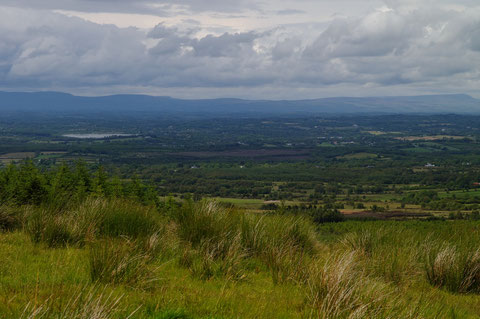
119, 258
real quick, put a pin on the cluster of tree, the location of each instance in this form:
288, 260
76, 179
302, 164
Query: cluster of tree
320, 214
429, 199
475, 215
26, 184
420, 198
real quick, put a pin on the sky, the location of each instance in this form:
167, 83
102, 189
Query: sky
267, 49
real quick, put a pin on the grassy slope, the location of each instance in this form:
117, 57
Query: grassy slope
34, 274
374, 269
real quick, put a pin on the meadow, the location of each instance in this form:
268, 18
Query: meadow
117, 258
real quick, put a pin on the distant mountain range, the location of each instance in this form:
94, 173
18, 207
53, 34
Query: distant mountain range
67, 104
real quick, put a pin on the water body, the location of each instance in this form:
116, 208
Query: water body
97, 135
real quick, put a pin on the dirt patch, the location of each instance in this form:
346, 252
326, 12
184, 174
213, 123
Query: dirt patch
53, 153
262, 153
350, 214
14, 157
431, 138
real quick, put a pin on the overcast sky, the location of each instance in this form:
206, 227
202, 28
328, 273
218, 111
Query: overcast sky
274, 49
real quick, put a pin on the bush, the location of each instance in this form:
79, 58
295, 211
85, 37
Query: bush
326, 215
9, 219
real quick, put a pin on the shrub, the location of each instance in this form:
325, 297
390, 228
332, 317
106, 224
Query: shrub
9, 219
326, 215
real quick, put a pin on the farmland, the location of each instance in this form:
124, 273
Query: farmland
249, 218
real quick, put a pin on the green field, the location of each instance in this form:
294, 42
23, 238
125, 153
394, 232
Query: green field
290, 268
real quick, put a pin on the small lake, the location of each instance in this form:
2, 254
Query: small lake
97, 135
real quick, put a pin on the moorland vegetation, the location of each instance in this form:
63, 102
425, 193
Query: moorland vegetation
81, 244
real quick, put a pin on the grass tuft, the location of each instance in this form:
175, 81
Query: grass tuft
453, 270
85, 303
119, 262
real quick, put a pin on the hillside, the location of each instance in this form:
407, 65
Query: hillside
61, 103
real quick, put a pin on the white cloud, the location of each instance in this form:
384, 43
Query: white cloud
401, 47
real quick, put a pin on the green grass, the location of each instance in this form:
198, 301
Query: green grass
241, 202
361, 155
202, 260
421, 149
50, 275
460, 194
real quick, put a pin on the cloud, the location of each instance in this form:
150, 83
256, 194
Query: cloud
287, 12
51, 49
151, 7
426, 48
394, 47
227, 45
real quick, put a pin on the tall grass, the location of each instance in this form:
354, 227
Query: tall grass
284, 243
212, 239
119, 262
94, 218
207, 222
340, 288
221, 238
84, 303
123, 218
457, 271
350, 270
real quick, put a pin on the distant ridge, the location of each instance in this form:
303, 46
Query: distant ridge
130, 104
